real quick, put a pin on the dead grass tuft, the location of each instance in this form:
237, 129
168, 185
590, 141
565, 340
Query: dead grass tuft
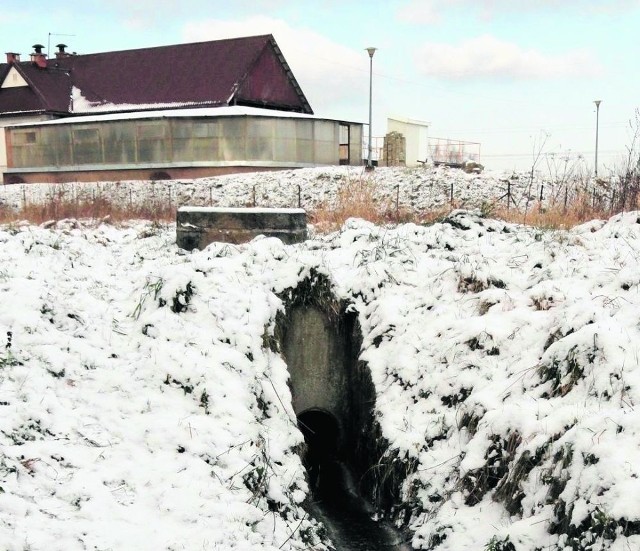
58, 207
580, 210
357, 199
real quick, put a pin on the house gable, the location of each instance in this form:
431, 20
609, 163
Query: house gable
244, 71
13, 79
270, 83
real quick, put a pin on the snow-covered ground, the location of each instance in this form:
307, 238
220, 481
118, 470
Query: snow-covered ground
139, 408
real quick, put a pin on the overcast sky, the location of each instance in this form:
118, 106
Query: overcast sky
514, 75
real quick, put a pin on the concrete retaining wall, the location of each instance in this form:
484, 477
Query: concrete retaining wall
199, 226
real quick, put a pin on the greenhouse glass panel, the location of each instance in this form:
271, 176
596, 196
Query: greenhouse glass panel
260, 139
233, 139
24, 137
285, 150
325, 131
57, 141
153, 142
86, 146
326, 153
119, 142
285, 129
326, 147
194, 140
25, 147
355, 145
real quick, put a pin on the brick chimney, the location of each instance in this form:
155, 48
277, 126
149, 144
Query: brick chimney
62, 53
37, 57
13, 57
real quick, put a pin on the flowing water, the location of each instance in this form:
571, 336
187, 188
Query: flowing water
348, 517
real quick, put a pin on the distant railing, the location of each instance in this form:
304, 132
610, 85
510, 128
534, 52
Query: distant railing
444, 151
441, 151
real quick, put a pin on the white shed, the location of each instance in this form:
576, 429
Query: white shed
416, 134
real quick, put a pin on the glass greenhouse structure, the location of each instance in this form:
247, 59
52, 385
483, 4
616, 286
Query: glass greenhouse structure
176, 144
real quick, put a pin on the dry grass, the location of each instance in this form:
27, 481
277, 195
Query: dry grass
555, 216
58, 207
357, 199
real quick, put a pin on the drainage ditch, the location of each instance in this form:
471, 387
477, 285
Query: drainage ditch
352, 492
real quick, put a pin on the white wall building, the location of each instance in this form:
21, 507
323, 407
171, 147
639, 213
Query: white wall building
416, 134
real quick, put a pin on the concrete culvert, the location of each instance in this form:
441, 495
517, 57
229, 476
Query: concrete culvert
333, 397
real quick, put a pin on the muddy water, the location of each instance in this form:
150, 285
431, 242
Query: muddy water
348, 518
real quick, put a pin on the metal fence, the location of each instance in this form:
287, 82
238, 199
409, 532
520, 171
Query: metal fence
449, 152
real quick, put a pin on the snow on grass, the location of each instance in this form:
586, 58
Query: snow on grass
141, 409
420, 189
137, 415
507, 367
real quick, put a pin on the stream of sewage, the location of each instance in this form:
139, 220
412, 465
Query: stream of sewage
349, 519
336, 501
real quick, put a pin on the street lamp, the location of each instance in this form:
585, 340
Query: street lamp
370, 51
597, 102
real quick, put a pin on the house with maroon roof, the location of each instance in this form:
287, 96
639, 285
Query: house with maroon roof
178, 111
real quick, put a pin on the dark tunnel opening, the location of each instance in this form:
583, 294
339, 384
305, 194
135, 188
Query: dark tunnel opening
321, 432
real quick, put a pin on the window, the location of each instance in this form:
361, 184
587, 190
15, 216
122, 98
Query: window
24, 137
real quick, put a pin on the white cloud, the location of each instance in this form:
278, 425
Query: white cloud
424, 12
487, 56
330, 74
433, 11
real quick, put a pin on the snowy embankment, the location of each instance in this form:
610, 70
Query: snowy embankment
418, 189
140, 408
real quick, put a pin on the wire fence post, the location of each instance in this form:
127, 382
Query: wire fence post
613, 200
451, 194
299, 197
397, 202
541, 198
566, 197
254, 196
508, 195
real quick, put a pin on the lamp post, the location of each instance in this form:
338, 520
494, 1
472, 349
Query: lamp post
370, 51
597, 102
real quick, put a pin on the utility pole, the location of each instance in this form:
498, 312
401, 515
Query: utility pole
371, 51
597, 102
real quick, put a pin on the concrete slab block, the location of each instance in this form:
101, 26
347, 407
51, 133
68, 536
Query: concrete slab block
196, 227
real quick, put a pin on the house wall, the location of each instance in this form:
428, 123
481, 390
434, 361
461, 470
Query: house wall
13, 80
170, 144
